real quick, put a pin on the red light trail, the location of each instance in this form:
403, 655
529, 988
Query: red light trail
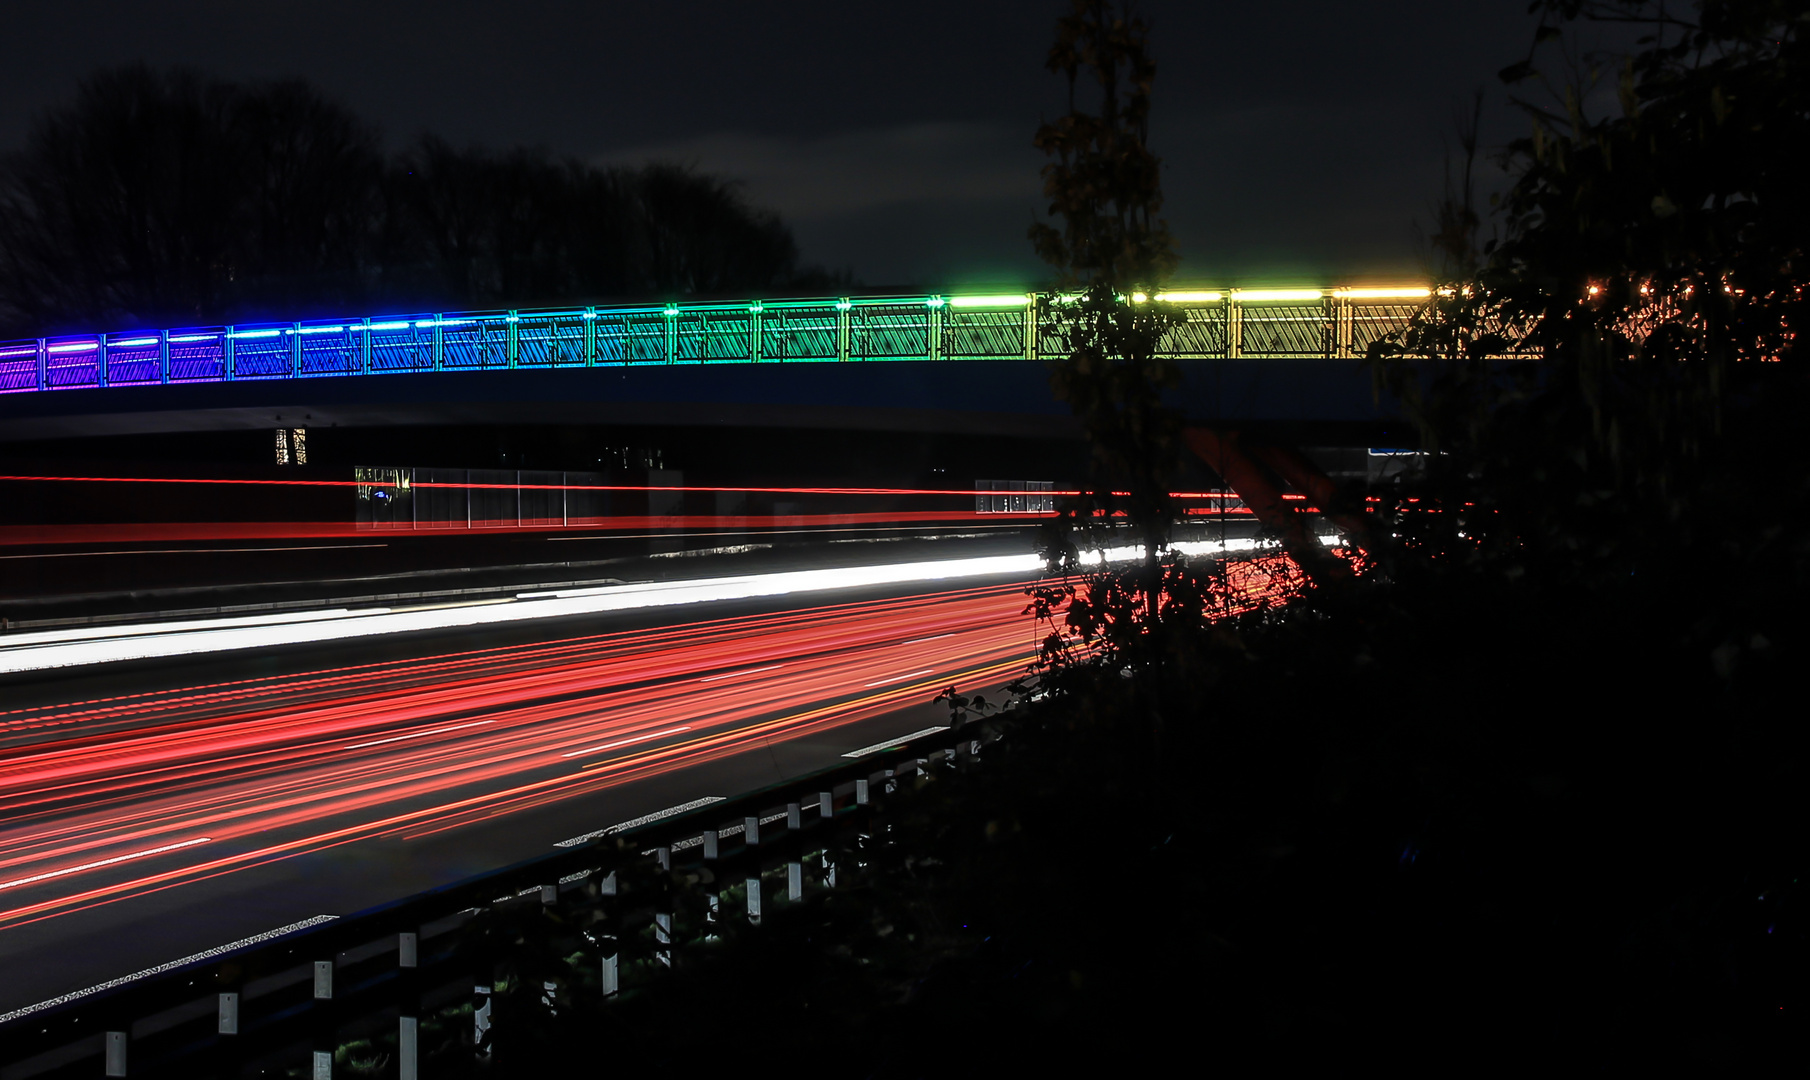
111, 798
107, 799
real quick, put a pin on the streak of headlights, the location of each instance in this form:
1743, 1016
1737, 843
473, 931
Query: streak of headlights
146, 641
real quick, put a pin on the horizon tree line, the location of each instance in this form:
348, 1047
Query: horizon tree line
172, 197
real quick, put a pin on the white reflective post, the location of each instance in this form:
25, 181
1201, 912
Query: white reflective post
116, 1053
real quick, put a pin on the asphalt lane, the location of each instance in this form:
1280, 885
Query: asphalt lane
153, 809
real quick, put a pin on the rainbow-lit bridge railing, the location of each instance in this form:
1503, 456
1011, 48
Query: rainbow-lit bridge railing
1278, 323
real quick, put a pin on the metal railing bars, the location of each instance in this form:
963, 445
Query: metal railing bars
1275, 324
302, 991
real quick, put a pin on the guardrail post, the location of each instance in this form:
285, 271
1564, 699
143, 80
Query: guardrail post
795, 881
364, 347
612, 975
43, 364
826, 805
100, 361
549, 895
480, 1017
754, 900
861, 792
408, 1028
408, 1054
295, 350
115, 1053
662, 855
229, 1012
663, 937
710, 842
322, 1021
163, 356
751, 831
794, 817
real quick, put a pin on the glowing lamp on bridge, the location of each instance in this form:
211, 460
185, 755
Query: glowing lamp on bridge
1275, 295
1405, 293
1019, 300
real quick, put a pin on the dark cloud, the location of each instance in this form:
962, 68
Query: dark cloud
1301, 139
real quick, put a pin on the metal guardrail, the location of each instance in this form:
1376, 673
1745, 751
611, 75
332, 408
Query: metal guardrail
1278, 323
294, 998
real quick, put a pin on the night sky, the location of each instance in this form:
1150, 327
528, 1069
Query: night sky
1302, 140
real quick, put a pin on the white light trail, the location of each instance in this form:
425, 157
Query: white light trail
626, 742
44, 650
898, 678
66, 871
89, 633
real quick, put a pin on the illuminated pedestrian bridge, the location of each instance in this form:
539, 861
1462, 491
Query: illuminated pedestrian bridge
1221, 324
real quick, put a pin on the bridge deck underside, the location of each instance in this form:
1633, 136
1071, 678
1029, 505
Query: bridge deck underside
1003, 397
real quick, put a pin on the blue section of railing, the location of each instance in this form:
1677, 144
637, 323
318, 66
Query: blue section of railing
1229, 323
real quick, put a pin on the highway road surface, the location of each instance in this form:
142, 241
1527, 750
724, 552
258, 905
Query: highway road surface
155, 805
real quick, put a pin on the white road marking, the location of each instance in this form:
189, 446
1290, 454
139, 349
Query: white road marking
644, 819
890, 743
206, 954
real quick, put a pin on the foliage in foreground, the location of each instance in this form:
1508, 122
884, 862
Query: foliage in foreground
1530, 793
